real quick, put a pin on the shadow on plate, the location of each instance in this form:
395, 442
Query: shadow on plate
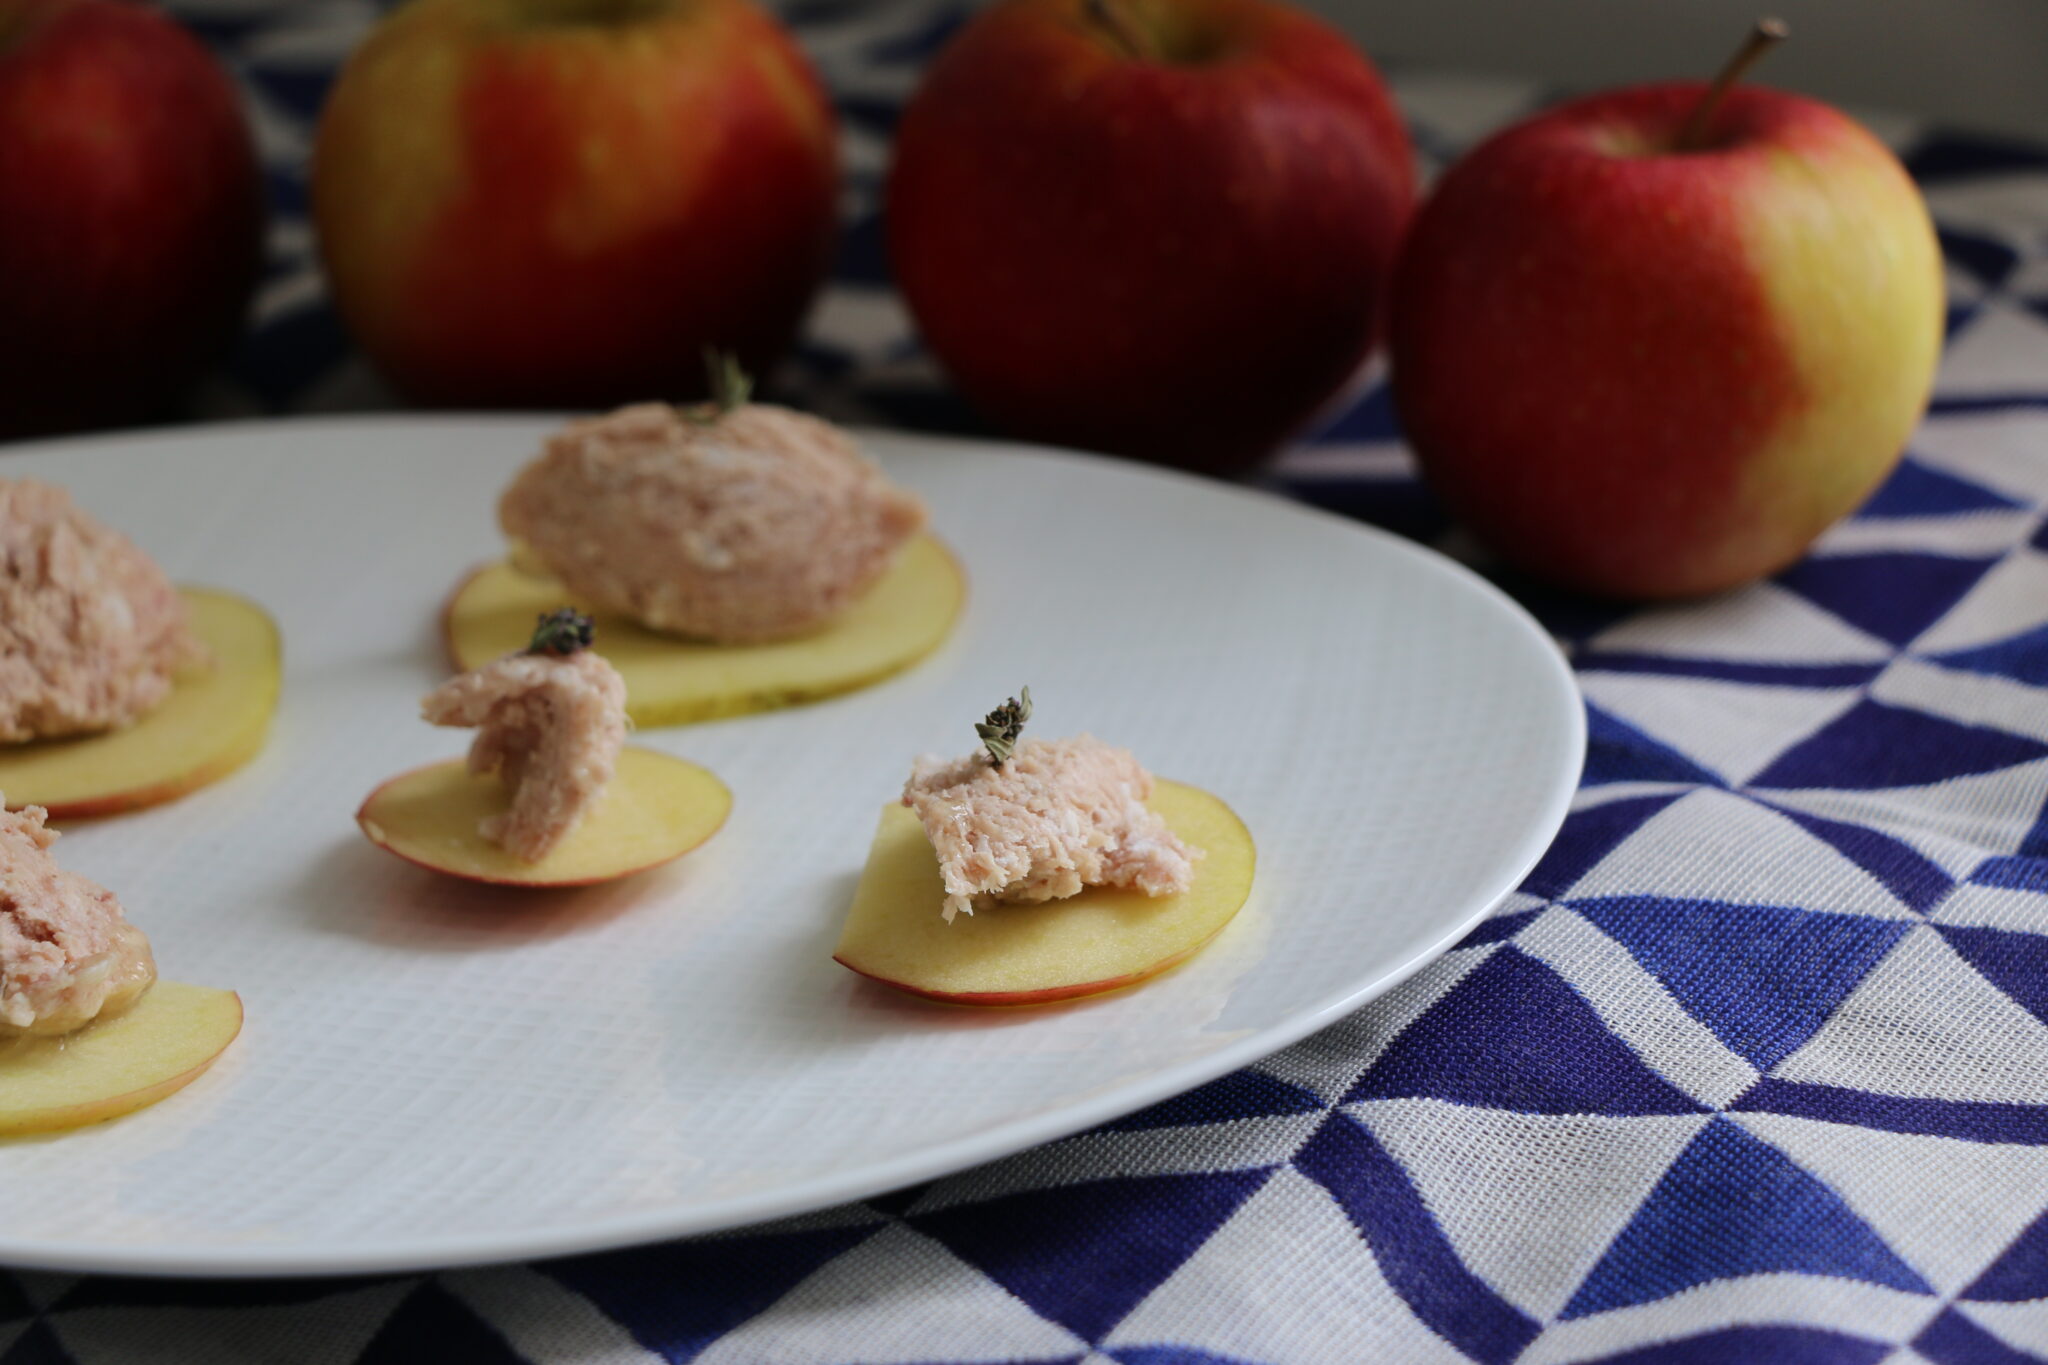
356, 889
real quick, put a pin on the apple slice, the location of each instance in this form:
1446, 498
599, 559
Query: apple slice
672, 681
212, 723
656, 809
1034, 954
115, 1066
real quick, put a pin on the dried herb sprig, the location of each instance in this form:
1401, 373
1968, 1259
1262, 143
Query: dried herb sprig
1000, 729
731, 386
561, 633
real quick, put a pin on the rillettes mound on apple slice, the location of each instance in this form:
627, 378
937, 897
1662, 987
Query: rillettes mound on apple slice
114, 1066
673, 681
655, 809
1096, 941
214, 721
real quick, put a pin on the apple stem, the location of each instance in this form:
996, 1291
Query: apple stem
1767, 34
1112, 20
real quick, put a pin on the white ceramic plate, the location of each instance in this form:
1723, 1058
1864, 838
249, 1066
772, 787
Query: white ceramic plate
434, 1073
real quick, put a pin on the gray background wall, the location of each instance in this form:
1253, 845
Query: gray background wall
1975, 63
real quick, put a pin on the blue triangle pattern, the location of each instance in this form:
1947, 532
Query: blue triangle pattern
301, 90
222, 30
1084, 1255
1513, 1035
1498, 927
863, 252
2023, 658
1565, 614
1369, 419
287, 195
1240, 1095
2024, 871
2032, 853
877, 115
1952, 1339
679, 1297
1588, 836
808, 12
1740, 1345
1401, 505
1733, 1205
1950, 156
1970, 1120
294, 351
1411, 1249
921, 409
1990, 259
2020, 1273
1893, 596
905, 49
1917, 880
37, 1346
1764, 978
1172, 1355
1873, 746
1920, 490
122, 1291
1618, 752
1756, 672
2008, 401
2016, 963
432, 1324
896, 1203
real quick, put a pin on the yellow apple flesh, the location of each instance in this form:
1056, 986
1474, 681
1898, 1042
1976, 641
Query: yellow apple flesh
115, 1066
213, 722
655, 809
1097, 941
672, 681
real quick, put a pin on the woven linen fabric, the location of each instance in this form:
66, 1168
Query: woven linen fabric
1754, 1068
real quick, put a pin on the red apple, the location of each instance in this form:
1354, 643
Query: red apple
1160, 228
564, 202
131, 213
1649, 369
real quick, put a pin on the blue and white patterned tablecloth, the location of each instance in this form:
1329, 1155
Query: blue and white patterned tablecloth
1753, 1068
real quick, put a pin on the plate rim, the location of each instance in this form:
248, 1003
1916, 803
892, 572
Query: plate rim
261, 1261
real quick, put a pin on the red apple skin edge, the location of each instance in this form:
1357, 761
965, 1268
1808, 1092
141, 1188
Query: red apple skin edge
563, 202
131, 214
1653, 374
1181, 256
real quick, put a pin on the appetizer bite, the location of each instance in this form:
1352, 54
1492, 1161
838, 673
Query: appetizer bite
1038, 870
737, 556
550, 795
116, 689
86, 1030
